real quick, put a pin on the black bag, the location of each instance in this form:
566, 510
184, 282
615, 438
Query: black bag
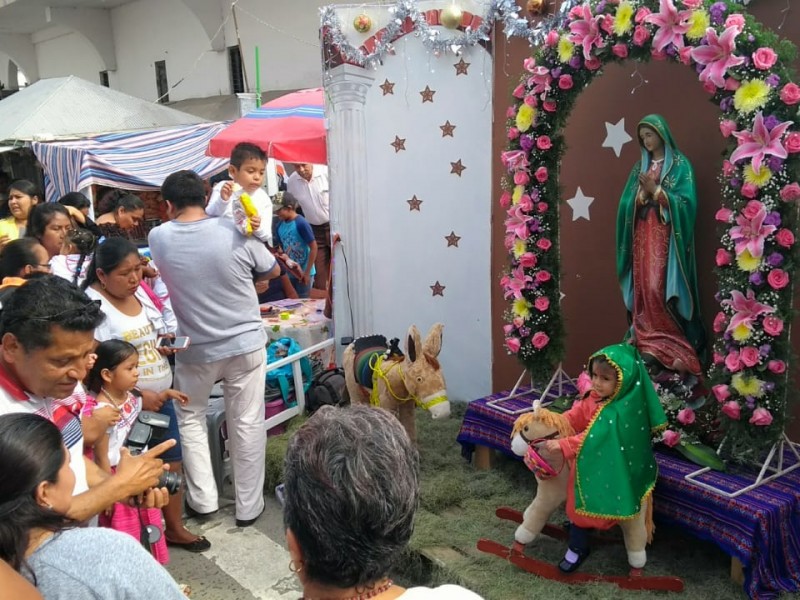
328, 388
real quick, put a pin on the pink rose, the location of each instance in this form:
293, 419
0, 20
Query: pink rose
693, 4
552, 38
749, 190
732, 362
620, 50
686, 416
543, 142
549, 105
724, 215
607, 23
592, 63
518, 322
761, 417
528, 260
542, 303
776, 366
727, 127
525, 203
790, 192
727, 168
507, 329
511, 112
540, 339
541, 174
565, 82
732, 409
718, 358
640, 35
513, 133
764, 58
709, 87
723, 257
658, 54
772, 325
720, 322
542, 276
785, 238
749, 356
752, 209
513, 344
641, 14
792, 142
521, 178
530, 100
721, 393
735, 20
790, 94
671, 438
778, 279
505, 199
544, 244
519, 91
541, 207
732, 84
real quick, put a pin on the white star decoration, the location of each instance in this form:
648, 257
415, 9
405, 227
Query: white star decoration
580, 205
616, 136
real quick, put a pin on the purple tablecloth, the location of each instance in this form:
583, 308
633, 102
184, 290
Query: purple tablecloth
760, 528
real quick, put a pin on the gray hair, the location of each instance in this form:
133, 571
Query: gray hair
351, 478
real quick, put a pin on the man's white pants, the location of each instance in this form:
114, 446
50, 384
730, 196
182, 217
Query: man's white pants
243, 386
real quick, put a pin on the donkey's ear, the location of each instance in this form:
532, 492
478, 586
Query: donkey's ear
413, 343
433, 343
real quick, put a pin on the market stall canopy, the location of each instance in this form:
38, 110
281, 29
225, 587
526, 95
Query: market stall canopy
132, 161
290, 128
70, 108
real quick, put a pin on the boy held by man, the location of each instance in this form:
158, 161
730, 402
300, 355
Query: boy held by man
247, 165
295, 241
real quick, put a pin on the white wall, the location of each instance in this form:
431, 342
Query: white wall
60, 52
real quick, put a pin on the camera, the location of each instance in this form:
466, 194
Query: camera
148, 430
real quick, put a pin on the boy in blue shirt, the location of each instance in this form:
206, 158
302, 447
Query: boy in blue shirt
295, 238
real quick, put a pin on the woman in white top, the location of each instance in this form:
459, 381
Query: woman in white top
114, 278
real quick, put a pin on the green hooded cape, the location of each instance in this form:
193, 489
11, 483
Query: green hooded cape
614, 467
677, 182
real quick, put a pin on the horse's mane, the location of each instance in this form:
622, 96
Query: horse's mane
548, 418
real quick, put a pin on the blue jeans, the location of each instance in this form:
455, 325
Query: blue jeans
302, 289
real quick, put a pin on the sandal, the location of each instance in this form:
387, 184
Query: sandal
572, 560
201, 544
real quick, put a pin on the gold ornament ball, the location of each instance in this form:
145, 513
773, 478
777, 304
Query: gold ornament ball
451, 16
362, 23
536, 7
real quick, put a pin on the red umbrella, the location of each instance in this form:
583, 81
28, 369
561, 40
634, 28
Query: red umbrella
290, 128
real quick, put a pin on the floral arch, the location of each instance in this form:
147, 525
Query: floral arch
744, 68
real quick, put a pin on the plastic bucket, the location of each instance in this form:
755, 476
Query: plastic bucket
272, 408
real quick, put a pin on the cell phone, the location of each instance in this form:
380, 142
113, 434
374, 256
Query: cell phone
178, 343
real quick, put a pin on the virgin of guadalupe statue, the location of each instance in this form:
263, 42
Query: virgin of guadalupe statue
655, 253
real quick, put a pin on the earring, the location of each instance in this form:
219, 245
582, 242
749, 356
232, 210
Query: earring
294, 568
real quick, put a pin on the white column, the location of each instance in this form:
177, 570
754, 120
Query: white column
347, 87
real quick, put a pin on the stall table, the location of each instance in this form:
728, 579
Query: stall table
300, 319
760, 529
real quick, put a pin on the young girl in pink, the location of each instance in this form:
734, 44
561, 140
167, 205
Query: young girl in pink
111, 382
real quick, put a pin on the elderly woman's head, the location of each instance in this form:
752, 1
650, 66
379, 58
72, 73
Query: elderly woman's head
352, 488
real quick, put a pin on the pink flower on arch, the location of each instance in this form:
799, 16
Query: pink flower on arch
761, 142
517, 222
585, 31
717, 57
749, 234
747, 309
672, 25
541, 80
516, 283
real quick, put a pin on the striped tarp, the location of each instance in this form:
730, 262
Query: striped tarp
134, 161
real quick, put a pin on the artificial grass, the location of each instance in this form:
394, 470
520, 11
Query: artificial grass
457, 508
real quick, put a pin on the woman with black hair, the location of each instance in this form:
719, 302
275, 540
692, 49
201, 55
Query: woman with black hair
22, 197
125, 212
49, 224
38, 540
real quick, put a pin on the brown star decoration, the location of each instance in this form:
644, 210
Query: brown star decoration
414, 203
427, 94
387, 87
457, 167
461, 67
447, 129
437, 289
398, 144
452, 239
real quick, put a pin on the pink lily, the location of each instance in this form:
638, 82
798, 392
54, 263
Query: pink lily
517, 283
761, 142
747, 309
672, 25
541, 80
717, 56
517, 222
586, 31
749, 234
514, 160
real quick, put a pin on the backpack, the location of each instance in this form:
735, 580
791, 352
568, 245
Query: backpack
326, 389
282, 377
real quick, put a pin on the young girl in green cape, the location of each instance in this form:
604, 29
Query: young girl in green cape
612, 468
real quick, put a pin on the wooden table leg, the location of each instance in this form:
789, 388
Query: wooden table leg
737, 571
483, 458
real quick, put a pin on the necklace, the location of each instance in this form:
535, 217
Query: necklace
657, 161
377, 591
116, 403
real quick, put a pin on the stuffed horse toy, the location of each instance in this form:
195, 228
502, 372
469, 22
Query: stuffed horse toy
542, 424
383, 376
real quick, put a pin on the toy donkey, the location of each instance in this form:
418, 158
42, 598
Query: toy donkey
383, 376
